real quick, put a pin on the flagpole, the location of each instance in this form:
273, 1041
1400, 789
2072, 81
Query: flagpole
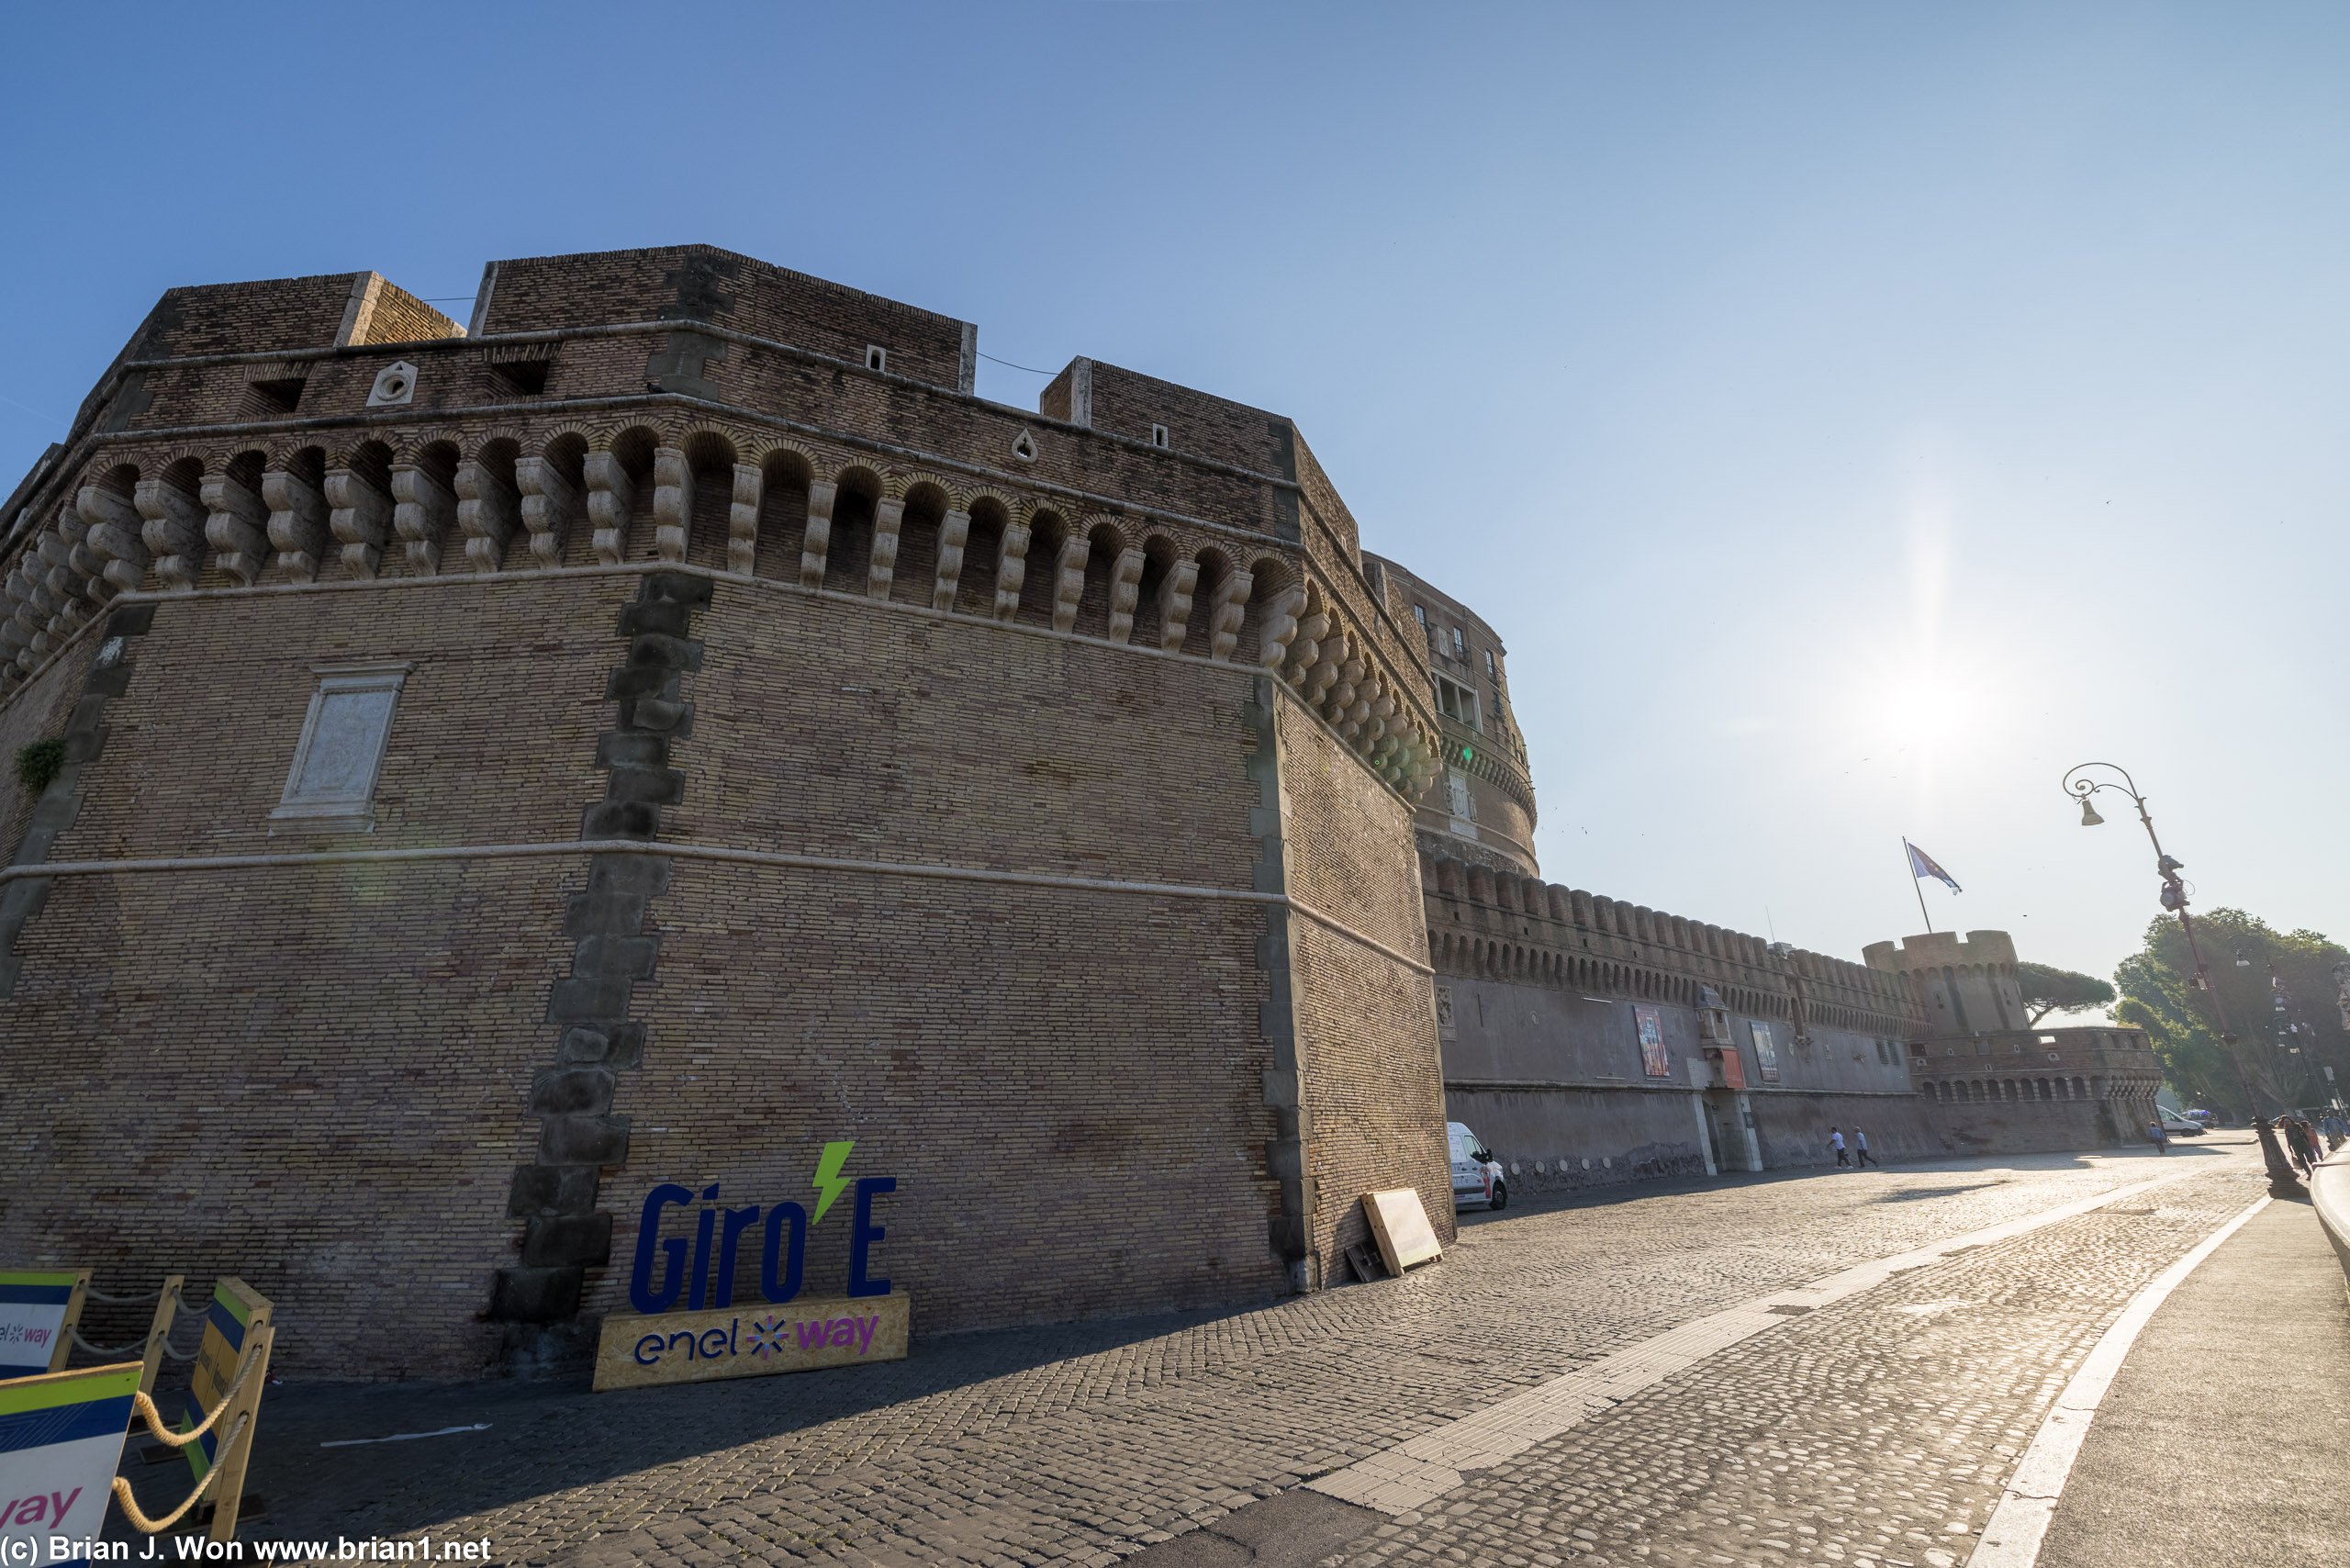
1911, 867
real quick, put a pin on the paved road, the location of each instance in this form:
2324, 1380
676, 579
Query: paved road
1876, 1428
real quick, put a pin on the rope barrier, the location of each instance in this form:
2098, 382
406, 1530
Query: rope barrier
94, 1293
138, 1344
156, 1526
154, 1420
179, 1355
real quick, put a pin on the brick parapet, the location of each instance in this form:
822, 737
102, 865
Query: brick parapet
1481, 923
687, 375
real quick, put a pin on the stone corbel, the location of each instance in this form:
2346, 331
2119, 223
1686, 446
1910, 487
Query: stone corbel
1011, 570
1356, 715
83, 576
953, 534
237, 526
612, 496
113, 537
1068, 581
1326, 671
423, 508
743, 520
360, 517
488, 512
1340, 698
1126, 588
1305, 648
672, 503
548, 504
1279, 629
52, 568
1175, 605
1231, 609
59, 596
817, 544
889, 517
41, 598
297, 523
172, 530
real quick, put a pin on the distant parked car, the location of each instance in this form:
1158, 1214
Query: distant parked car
2180, 1126
1476, 1174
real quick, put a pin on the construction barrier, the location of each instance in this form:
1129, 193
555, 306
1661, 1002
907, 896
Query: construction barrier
62, 1433
60, 1441
157, 1344
38, 1314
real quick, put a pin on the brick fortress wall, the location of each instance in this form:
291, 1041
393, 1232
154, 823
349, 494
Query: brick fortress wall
1537, 986
667, 563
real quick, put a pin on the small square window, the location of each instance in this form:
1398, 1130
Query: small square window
1460, 644
876, 357
1490, 667
1158, 435
1420, 614
332, 785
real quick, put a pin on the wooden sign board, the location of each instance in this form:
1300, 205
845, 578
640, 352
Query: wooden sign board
37, 1313
237, 1313
61, 1439
1401, 1227
645, 1351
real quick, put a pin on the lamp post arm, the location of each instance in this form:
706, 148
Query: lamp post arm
2281, 1182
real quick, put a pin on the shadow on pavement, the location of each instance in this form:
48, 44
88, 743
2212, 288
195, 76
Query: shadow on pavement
552, 1435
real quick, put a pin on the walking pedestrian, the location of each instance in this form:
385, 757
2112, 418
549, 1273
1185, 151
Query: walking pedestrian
1836, 1142
2159, 1136
1861, 1155
2293, 1149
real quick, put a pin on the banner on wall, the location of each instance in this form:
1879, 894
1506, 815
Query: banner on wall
1653, 1057
1766, 1053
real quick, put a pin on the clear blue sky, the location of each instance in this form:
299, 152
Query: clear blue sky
1851, 415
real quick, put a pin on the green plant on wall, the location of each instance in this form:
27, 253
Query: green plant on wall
38, 763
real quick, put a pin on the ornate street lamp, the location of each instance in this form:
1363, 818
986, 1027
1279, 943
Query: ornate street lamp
2282, 1182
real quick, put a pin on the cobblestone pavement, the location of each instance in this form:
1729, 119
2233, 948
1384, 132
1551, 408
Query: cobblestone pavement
1879, 1430
1875, 1429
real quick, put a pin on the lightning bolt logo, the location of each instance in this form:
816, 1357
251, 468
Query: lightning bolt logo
828, 1179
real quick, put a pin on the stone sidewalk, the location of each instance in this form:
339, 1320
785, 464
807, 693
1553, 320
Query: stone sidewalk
1090, 1443
2225, 1438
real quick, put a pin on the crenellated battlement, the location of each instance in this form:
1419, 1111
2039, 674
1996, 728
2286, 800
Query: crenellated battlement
1933, 951
685, 406
1489, 924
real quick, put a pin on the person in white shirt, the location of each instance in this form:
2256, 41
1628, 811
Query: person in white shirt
1861, 1155
1836, 1142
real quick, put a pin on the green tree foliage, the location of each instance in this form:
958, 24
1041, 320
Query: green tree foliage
2158, 995
2047, 990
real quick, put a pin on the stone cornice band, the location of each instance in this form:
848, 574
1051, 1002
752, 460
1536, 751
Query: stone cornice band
720, 854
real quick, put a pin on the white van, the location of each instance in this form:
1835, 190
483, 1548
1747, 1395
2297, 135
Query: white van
1476, 1174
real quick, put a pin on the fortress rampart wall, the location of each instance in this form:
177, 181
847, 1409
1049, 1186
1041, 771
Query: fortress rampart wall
1483, 923
1074, 773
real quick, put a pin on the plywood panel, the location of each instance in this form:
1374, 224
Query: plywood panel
638, 1352
1400, 1223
